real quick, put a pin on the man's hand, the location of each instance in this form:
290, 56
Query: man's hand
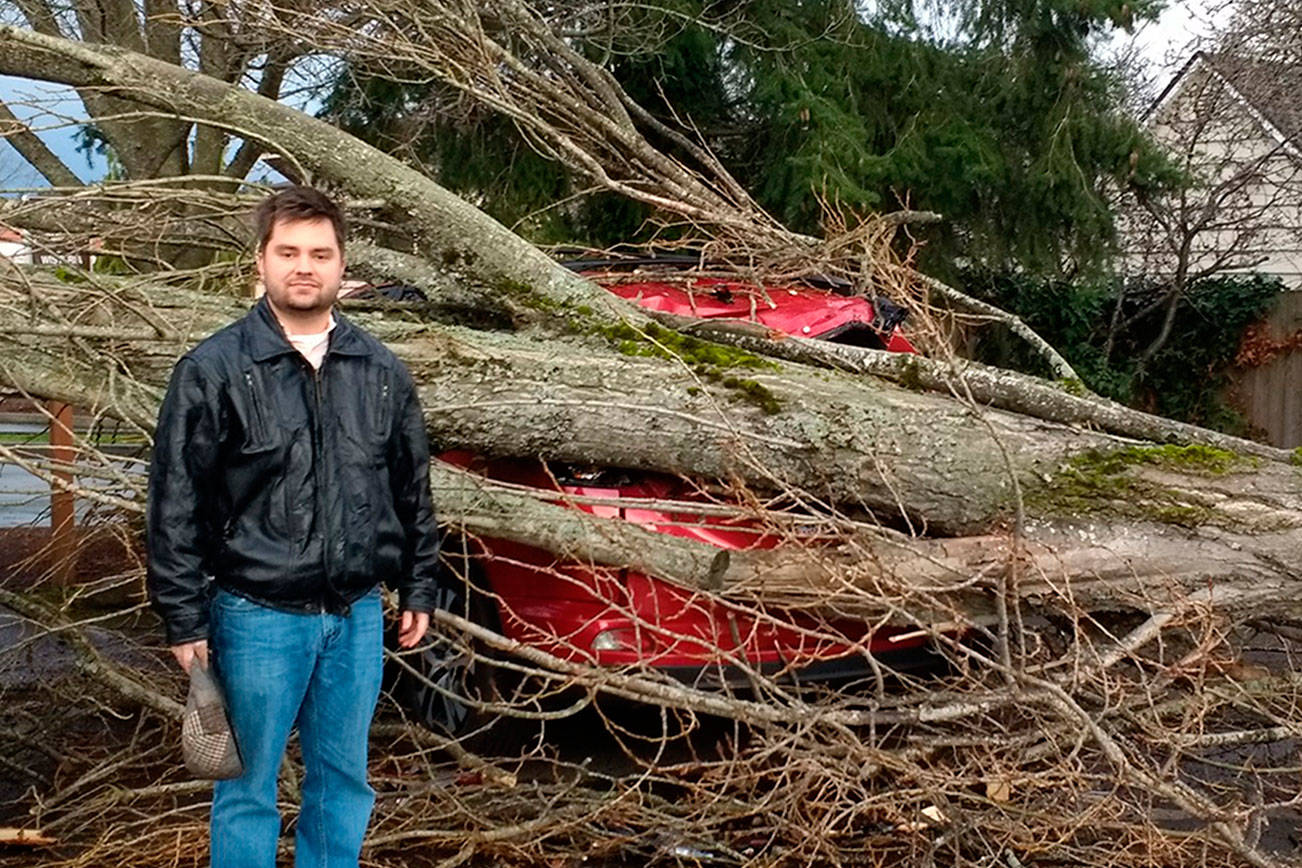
412, 628
186, 652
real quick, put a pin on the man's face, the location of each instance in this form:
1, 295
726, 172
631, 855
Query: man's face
301, 266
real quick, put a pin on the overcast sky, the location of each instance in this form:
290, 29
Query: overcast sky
1165, 44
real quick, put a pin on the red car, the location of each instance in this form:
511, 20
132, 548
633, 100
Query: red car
620, 617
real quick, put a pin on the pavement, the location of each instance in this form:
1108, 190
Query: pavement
24, 498
28, 658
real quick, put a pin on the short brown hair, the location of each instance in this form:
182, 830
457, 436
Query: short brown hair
298, 203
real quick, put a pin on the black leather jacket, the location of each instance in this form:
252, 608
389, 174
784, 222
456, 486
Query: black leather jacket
294, 488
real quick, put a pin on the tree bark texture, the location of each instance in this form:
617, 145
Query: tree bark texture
935, 485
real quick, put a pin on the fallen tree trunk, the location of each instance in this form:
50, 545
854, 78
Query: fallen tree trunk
929, 471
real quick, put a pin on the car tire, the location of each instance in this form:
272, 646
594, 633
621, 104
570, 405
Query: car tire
445, 681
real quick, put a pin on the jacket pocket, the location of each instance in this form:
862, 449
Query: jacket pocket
258, 431
383, 415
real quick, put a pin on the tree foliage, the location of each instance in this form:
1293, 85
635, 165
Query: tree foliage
1102, 328
992, 114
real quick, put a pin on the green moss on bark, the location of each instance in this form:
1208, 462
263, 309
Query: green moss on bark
1107, 482
1193, 458
1073, 387
656, 341
911, 376
714, 363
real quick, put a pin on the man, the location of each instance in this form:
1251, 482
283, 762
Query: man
290, 476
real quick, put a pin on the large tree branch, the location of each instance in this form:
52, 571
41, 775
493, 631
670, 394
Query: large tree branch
996, 387
447, 230
467, 295
34, 151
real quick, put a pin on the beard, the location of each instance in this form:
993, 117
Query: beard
303, 297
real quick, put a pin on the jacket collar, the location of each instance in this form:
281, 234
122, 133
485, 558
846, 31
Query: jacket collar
267, 339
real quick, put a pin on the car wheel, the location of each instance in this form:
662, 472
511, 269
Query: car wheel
442, 684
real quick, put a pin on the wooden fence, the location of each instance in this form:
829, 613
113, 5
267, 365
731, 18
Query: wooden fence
1267, 384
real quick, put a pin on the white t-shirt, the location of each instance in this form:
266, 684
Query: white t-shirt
313, 347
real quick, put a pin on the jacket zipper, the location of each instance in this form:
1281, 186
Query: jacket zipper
259, 423
318, 435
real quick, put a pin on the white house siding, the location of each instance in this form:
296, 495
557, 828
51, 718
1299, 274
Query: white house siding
16, 251
1257, 227
1246, 164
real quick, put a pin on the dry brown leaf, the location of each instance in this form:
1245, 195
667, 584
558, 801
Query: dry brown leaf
999, 791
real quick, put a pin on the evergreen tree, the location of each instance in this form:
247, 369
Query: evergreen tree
993, 114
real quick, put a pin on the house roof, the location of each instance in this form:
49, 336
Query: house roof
1273, 89
1269, 89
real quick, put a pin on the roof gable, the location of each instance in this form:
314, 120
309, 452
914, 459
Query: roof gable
1273, 89
1270, 91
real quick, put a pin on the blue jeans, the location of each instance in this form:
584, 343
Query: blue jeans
322, 672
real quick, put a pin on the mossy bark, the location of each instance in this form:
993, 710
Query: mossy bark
935, 473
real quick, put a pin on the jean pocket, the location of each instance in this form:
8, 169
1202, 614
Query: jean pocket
225, 601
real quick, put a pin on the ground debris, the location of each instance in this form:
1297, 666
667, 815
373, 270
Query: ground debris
24, 837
